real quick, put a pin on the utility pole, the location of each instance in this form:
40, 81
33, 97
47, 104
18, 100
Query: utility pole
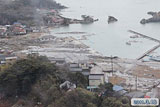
136, 82
112, 64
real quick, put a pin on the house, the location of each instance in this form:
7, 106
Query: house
96, 76
67, 85
154, 93
3, 31
74, 68
2, 59
18, 29
52, 19
7, 59
53, 12
57, 20
79, 67
57, 61
86, 71
135, 94
35, 29
119, 91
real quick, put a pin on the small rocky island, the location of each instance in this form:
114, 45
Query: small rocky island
155, 18
112, 19
87, 19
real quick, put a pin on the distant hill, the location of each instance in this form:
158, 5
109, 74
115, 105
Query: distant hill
25, 11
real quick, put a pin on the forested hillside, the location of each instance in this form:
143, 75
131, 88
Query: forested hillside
25, 11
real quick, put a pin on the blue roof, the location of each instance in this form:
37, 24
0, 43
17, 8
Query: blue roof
117, 88
16, 23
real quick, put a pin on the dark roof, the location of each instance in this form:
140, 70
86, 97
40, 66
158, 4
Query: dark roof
75, 69
57, 59
117, 88
85, 73
94, 77
74, 65
135, 94
3, 57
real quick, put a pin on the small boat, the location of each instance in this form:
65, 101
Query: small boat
128, 43
134, 36
155, 58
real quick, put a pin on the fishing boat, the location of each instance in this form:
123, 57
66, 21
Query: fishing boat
128, 43
155, 58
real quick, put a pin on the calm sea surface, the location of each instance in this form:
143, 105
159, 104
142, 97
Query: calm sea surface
110, 39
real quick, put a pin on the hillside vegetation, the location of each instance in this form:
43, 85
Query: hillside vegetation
25, 11
35, 82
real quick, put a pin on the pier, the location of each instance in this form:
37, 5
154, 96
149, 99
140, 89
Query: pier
147, 37
144, 36
148, 52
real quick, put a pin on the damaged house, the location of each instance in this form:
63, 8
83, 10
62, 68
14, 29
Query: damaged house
3, 31
53, 18
17, 29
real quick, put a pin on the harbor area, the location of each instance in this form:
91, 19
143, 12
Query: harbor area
131, 74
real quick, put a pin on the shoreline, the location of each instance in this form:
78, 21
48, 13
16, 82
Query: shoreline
75, 51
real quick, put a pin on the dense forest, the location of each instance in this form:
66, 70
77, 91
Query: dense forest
25, 11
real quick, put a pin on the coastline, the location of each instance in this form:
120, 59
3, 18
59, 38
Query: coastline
75, 51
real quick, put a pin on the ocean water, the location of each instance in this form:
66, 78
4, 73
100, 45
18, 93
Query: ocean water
110, 39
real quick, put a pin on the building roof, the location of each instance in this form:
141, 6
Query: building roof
135, 94
75, 69
117, 88
2, 57
96, 70
56, 59
85, 73
74, 65
7, 57
95, 77
158, 86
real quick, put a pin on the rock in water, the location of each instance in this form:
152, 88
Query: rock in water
143, 21
112, 19
155, 18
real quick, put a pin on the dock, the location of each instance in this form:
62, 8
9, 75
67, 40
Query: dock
148, 52
144, 36
147, 37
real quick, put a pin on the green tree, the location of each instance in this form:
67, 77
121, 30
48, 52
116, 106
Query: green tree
18, 79
79, 79
77, 98
106, 89
115, 102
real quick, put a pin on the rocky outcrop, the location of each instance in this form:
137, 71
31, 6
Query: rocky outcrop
155, 18
112, 19
87, 19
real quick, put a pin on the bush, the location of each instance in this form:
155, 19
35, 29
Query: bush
77, 98
79, 79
